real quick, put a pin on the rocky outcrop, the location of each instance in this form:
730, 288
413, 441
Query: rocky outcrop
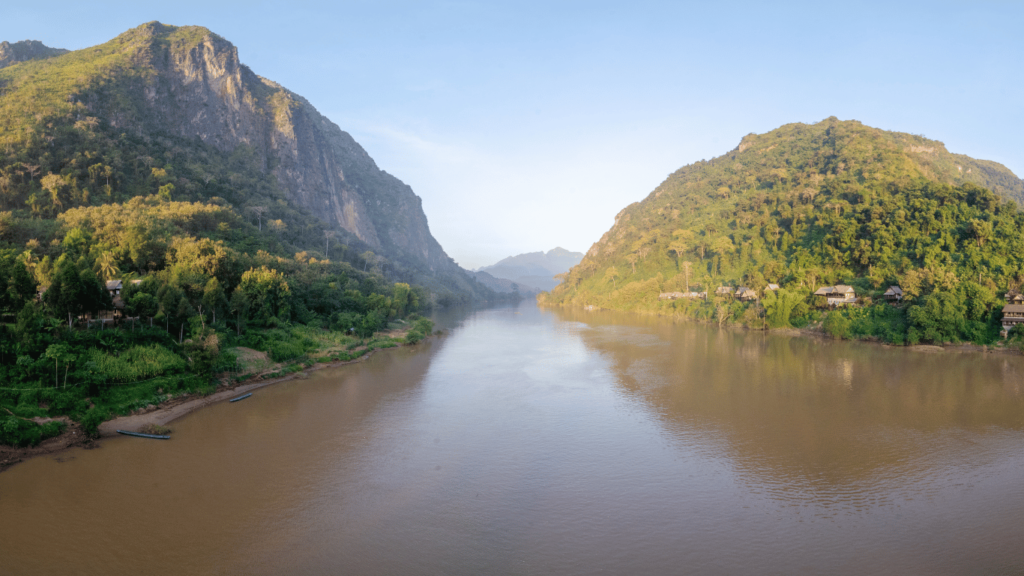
26, 50
201, 90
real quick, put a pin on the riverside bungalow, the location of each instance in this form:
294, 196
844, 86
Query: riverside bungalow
839, 295
1013, 315
893, 294
114, 287
744, 294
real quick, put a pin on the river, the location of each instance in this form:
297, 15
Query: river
532, 441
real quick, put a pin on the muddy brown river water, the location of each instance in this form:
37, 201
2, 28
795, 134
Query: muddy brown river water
535, 441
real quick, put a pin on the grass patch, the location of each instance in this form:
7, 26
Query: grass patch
136, 363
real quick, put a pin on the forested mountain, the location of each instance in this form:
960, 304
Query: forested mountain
535, 269
172, 110
161, 206
812, 205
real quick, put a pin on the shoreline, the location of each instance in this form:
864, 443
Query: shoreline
160, 415
961, 348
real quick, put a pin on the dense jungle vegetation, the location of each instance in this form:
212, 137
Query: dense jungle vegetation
190, 295
807, 206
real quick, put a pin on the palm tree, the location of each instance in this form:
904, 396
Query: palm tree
107, 263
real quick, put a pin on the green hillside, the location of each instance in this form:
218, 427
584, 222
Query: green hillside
806, 206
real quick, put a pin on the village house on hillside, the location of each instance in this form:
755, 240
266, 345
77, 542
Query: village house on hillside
839, 295
114, 288
771, 288
1014, 297
1013, 315
893, 294
744, 294
723, 291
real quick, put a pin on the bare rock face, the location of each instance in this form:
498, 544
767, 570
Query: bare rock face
26, 50
201, 90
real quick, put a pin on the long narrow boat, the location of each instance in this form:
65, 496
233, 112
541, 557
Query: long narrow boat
242, 397
141, 435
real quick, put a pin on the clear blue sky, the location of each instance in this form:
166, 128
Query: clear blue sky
529, 125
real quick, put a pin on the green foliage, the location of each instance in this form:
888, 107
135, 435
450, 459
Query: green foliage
421, 329
268, 293
16, 285
15, 431
372, 322
779, 306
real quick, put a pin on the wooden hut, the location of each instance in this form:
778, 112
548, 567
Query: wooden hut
893, 294
744, 294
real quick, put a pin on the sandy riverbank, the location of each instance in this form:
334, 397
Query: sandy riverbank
177, 407
160, 415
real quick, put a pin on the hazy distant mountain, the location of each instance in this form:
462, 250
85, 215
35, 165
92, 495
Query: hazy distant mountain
504, 285
535, 269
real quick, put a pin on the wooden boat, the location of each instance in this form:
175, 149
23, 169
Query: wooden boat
141, 435
242, 397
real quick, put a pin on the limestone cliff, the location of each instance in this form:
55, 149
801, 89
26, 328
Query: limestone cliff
189, 82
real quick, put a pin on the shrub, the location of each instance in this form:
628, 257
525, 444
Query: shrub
372, 322
92, 420
16, 431
837, 325
281, 351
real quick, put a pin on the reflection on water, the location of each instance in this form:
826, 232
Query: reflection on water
560, 442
